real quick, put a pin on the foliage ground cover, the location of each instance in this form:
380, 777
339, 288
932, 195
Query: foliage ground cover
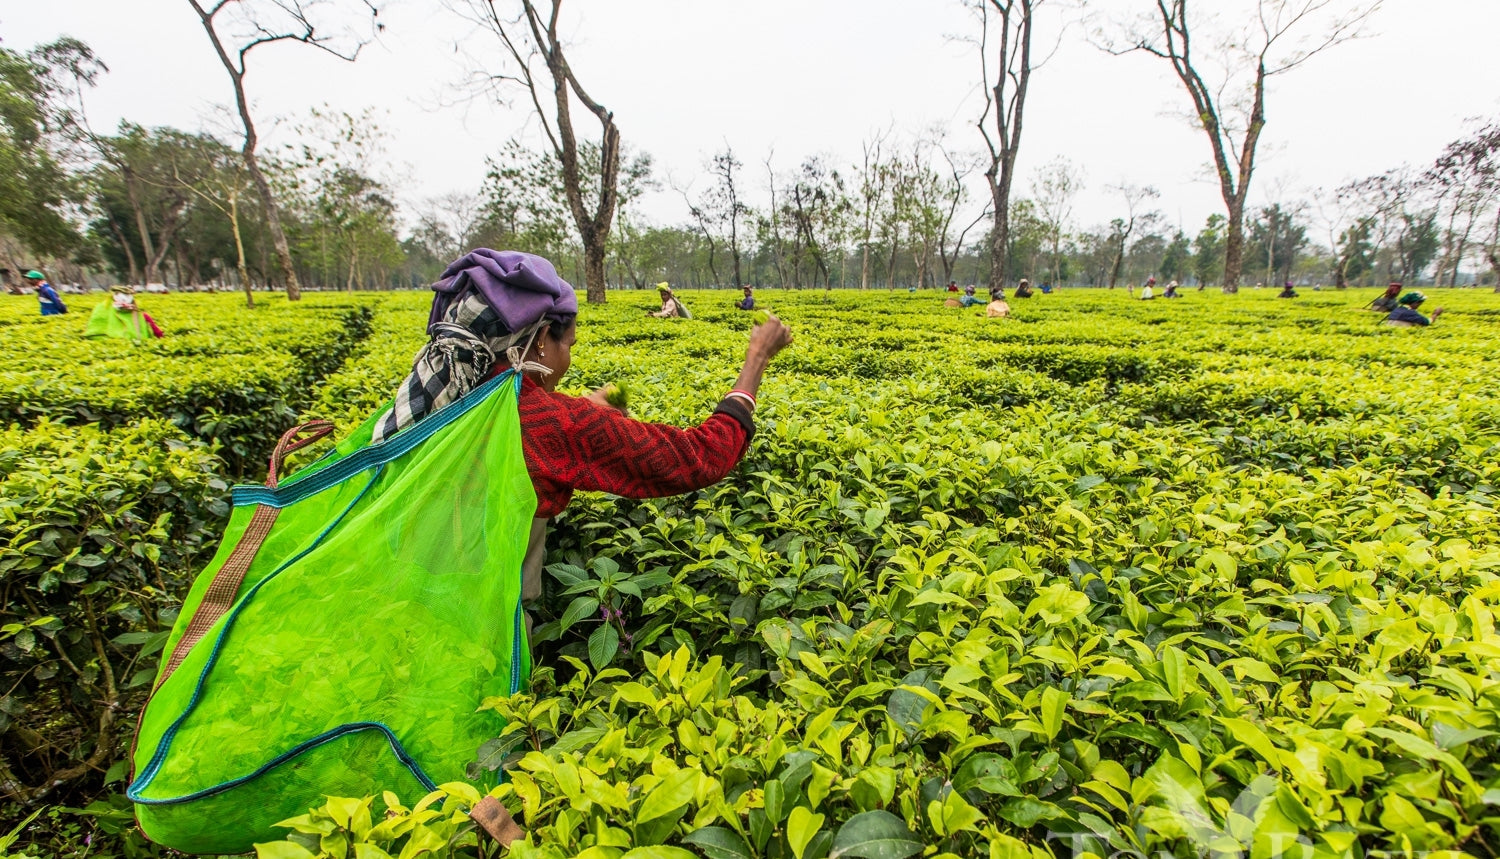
1209, 576
226, 374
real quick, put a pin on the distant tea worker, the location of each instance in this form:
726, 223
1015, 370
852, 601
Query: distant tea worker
748, 302
997, 308
671, 306
51, 302
121, 317
1406, 316
1387, 301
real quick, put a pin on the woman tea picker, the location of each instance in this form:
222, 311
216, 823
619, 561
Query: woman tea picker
360, 610
495, 310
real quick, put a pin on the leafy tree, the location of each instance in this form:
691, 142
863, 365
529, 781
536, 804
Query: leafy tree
1177, 259
34, 186
1416, 243
345, 217
815, 208
1121, 228
1275, 240
1208, 251
523, 201
142, 188
1029, 235
1055, 186
1354, 255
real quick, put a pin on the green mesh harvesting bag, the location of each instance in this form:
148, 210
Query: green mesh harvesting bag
342, 639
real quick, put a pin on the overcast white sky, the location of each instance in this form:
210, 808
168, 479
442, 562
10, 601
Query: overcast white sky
814, 76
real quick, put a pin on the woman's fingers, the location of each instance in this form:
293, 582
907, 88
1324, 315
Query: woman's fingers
601, 397
770, 337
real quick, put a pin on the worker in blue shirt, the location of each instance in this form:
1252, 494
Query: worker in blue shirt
52, 303
1406, 315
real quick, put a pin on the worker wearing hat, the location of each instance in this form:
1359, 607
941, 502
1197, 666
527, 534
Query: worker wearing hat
1406, 315
52, 303
1387, 300
671, 306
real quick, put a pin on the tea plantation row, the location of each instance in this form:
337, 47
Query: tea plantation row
1208, 576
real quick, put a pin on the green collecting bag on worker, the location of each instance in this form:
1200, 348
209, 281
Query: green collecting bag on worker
342, 638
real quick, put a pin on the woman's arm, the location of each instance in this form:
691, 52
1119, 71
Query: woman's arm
766, 340
590, 445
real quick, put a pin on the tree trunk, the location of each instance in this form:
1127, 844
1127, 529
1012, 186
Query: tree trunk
1234, 247
144, 231
262, 187
124, 245
239, 249
593, 270
1000, 234
895, 248
1000, 240
273, 212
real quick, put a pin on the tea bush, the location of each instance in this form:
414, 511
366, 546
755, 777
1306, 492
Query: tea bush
1209, 576
225, 374
99, 534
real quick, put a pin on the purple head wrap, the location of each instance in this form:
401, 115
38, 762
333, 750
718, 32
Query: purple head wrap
489, 306
522, 288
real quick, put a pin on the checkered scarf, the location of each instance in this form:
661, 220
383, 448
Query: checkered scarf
463, 350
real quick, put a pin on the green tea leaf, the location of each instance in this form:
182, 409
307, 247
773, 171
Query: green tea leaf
875, 835
716, 842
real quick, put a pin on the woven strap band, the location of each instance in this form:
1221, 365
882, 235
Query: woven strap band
494, 818
220, 595
315, 431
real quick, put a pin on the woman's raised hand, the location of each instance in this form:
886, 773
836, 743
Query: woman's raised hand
767, 339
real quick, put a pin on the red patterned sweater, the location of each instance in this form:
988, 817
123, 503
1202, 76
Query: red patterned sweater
572, 443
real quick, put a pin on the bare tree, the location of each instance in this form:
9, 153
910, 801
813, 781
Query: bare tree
453, 221
707, 227
718, 211
238, 27
1005, 27
770, 226
1468, 176
955, 190
1335, 213
537, 64
726, 199
1134, 196
873, 178
1233, 114
1055, 185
